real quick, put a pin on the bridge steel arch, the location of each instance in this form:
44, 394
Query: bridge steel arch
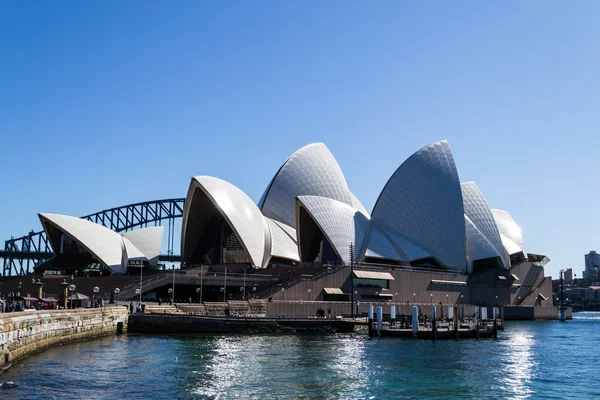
23, 253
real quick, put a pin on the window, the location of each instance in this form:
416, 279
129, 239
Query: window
375, 283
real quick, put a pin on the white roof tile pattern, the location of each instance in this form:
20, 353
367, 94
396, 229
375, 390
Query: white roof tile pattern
240, 212
310, 171
148, 241
423, 201
282, 245
479, 246
381, 246
479, 213
341, 223
510, 232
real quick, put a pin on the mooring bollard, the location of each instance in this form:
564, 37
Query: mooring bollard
379, 320
392, 314
370, 320
415, 320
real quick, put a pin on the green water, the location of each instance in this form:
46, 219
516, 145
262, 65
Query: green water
537, 360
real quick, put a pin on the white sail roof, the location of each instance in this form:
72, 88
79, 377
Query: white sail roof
381, 246
133, 253
148, 241
103, 243
479, 213
341, 223
510, 232
479, 246
310, 171
422, 202
282, 244
240, 212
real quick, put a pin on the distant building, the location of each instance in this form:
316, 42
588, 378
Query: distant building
591, 294
592, 265
568, 276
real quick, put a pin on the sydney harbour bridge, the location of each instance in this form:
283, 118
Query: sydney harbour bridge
23, 253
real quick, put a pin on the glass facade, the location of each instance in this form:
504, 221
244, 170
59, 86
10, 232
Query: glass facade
371, 283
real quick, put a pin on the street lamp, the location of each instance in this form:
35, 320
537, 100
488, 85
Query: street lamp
447, 295
431, 297
198, 290
117, 291
96, 290
171, 295
71, 289
223, 291
138, 291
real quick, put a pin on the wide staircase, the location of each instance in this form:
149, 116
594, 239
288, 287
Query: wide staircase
250, 308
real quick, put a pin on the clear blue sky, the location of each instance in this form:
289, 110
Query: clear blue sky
108, 103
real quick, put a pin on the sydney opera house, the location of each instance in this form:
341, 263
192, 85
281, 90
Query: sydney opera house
428, 239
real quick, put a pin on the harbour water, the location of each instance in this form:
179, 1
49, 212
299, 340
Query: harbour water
530, 359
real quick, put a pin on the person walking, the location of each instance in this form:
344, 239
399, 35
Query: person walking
131, 308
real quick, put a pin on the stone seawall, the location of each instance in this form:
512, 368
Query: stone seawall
23, 333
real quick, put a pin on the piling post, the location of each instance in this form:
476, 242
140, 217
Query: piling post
501, 318
415, 320
476, 321
455, 319
433, 322
370, 319
379, 320
392, 314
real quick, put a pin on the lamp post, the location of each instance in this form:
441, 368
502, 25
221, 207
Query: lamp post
171, 294
117, 291
138, 291
414, 298
173, 290
96, 290
71, 290
198, 291
201, 278
223, 291
351, 248
225, 286
431, 298
141, 269
244, 289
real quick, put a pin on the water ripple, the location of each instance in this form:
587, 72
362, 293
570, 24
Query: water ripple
549, 360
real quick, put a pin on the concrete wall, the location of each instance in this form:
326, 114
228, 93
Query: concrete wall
23, 333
